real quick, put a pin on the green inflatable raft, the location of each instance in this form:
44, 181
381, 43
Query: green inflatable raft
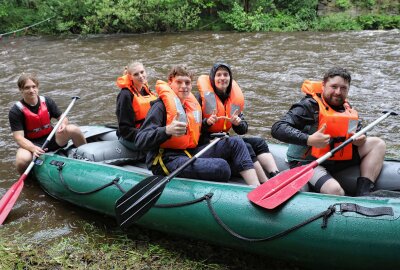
311, 230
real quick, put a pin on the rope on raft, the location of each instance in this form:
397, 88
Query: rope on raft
25, 28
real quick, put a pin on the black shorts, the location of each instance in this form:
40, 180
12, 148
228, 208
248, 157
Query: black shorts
51, 146
335, 166
331, 167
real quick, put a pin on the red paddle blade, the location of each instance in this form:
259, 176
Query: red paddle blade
281, 187
9, 199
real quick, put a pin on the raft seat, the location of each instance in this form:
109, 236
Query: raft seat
108, 136
110, 152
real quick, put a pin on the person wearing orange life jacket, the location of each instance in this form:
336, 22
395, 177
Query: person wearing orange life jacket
222, 104
30, 123
133, 103
171, 132
322, 120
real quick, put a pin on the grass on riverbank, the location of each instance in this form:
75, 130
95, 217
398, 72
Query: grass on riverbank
97, 248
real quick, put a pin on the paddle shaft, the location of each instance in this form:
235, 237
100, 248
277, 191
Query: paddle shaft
52, 133
193, 159
143, 195
165, 180
12, 194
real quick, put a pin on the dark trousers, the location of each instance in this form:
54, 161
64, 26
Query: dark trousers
228, 156
256, 146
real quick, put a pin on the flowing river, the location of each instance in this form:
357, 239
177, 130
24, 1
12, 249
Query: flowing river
269, 67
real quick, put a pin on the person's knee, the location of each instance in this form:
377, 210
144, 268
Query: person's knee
376, 143
72, 129
73, 132
221, 170
21, 164
22, 160
23, 155
260, 146
237, 142
337, 190
224, 173
380, 144
333, 188
253, 155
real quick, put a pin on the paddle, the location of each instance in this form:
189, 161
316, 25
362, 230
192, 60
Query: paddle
9, 199
283, 186
139, 199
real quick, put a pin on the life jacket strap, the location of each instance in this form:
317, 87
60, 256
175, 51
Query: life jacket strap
40, 128
225, 121
158, 160
187, 153
335, 140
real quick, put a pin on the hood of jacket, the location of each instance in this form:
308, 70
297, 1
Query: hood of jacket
222, 95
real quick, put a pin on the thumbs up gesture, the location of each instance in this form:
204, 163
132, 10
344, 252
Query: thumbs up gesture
176, 128
319, 139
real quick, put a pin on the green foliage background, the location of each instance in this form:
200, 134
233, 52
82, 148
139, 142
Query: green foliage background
138, 16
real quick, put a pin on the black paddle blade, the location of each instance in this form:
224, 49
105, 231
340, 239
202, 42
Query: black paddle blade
139, 199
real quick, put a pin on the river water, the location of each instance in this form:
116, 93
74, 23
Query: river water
269, 67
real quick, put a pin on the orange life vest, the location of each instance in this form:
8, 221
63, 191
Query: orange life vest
36, 125
211, 102
339, 125
140, 103
189, 112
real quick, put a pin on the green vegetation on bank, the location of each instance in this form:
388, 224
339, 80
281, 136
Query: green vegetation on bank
96, 248
138, 16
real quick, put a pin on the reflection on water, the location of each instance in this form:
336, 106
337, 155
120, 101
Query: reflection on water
269, 67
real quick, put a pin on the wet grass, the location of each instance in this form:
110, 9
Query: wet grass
56, 235
96, 247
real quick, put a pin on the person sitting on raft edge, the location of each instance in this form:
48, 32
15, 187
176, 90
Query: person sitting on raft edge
322, 120
30, 122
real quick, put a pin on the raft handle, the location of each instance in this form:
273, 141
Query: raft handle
57, 163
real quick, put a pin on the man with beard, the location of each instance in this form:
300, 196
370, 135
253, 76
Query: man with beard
322, 120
